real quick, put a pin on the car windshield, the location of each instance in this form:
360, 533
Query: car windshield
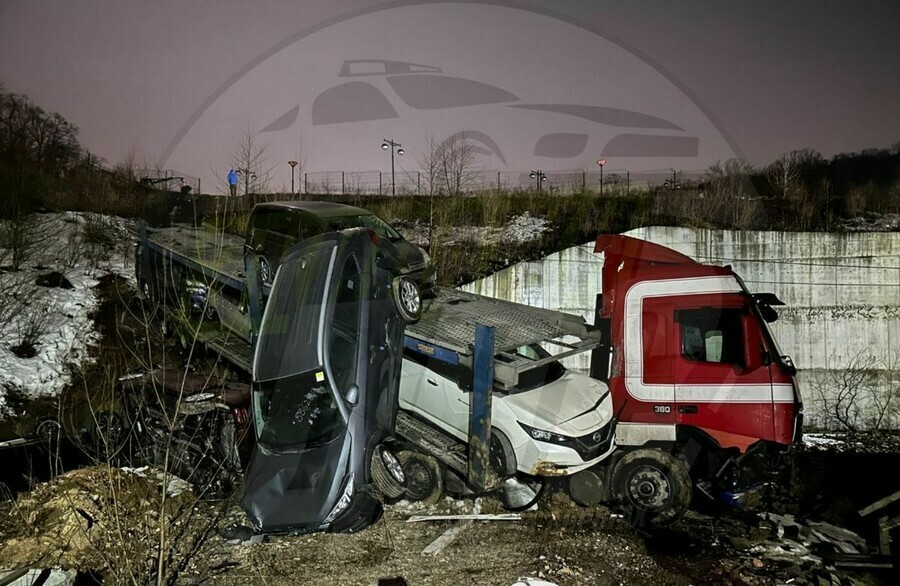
370, 221
296, 411
539, 376
290, 339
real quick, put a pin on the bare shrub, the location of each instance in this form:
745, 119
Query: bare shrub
30, 329
862, 394
22, 235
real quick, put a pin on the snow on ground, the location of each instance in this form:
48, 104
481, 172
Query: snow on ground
521, 229
83, 248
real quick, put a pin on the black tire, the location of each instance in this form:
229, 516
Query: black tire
49, 434
387, 473
108, 434
424, 478
408, 299
652, 487
502, 456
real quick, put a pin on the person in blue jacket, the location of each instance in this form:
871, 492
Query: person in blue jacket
232, 181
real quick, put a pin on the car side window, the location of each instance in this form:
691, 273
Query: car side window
460, 375
309, 226
345, 326
258, 225
711, 335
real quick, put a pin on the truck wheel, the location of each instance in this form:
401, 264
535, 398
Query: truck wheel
387, 473
408, 299
424, 481
652, 486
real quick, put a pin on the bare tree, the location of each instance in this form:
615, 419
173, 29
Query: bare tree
456, 165
842, 393
251, 160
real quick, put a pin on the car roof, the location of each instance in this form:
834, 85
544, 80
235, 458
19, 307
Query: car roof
321, 209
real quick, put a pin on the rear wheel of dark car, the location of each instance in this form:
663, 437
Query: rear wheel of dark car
387, 473
408, 299
424, 478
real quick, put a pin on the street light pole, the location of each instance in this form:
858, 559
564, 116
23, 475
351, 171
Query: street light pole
247, 177
601, 162
390, 144
539, 177
292, 164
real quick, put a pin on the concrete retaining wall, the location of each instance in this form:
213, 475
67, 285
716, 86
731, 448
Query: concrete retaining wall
841, 290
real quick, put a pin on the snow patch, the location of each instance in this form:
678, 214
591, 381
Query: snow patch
83, 248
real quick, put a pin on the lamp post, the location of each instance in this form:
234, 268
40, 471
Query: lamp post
601, 162
247, 175
394, 146
292, 164
539, 177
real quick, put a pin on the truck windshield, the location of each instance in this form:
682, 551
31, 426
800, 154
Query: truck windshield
370, 221
298, 411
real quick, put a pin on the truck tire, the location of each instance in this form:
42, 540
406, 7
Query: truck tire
652, 487
424, 478
407, 299
387, 473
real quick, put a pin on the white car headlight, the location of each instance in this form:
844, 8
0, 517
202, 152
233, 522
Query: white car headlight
342, 503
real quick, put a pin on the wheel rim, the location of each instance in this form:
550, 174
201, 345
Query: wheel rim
393, 466
264, 270
649, 488
110, 430
409, 297
420, 481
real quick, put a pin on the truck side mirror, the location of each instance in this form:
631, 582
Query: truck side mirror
752, 342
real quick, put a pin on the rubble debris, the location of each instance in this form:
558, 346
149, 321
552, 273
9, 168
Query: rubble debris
466, 517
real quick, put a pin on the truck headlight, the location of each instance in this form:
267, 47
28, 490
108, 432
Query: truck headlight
546, 436
342, 503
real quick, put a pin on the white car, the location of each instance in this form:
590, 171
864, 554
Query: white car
555, 422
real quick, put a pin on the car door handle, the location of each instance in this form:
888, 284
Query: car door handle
431, 382
687, 408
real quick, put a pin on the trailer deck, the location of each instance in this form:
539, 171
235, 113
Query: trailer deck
447, 332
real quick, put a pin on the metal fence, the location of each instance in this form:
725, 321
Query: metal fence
561, 182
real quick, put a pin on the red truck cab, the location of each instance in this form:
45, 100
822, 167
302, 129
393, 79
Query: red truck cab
692, 366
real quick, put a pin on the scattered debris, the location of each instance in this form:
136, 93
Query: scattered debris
471, 517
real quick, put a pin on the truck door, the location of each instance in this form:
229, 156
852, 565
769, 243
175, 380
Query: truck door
720, 385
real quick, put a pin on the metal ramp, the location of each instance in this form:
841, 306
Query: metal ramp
214, 253
447, 332
228, 345
448, 450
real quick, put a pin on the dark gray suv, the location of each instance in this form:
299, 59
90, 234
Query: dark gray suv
275, 227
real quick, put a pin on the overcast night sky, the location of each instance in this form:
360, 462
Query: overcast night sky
648, 84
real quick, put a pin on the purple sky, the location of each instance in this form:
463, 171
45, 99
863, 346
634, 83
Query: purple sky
771, 76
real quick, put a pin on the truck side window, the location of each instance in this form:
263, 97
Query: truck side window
711, 335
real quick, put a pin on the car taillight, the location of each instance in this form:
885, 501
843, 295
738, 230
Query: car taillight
375, 238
